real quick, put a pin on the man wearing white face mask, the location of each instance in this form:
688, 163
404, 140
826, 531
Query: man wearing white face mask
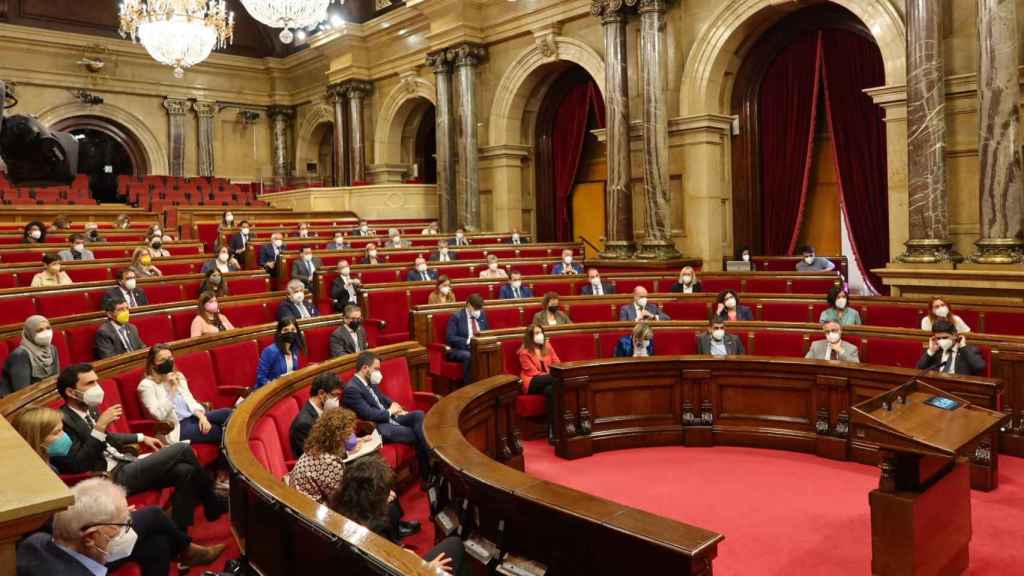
812, 263
306, 268
640, 309
345, 288
514, 289
566, 266
595, 287
324, 394
949, 352
833, 347
100, 530
295, 304
493, 270
716, 342
420, 272
270, 252
78, 251
443, 254
396, 425
126, 290
462, 327
460, 238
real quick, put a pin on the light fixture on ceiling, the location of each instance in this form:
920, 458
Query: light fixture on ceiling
178, 33
288, 14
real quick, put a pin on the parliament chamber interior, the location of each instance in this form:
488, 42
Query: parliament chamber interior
518, 287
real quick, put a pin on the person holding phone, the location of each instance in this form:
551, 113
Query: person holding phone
949, 352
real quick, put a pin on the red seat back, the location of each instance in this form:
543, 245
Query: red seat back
128, 384
250, 313
892, 352
785, 312
89, 274
675, 342
503, 317
895, 315
111, 397
574, 346
63, 304
318, 346
561, 287
607, 341
626, 285
16, 310
580, 312
235, 364
813, 285
510, 356
1004, 323
162, 293
397, 383
81, 342
269, 450
686, 310
767, 285
202, 382
154, 328
282, 414
464, 291
779, 343
717, 284
439, 326
256, 285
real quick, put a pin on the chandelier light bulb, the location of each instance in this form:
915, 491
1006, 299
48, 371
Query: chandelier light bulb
178, 33
286, 36
288, 14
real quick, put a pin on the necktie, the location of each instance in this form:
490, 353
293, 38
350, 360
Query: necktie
476, 327
423, 276
123, 333
832, 354
597, 290
131, 299
76, 254
515, 292
303, 313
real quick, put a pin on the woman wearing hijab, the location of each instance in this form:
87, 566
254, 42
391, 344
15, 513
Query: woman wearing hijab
35, 359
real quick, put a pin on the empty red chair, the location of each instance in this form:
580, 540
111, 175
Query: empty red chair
1003, 322
267, 447
463, 291
607, 341
235, 364
574, 346
162, 293
202, 380
785, 312
154, 328
767, 285
81, 342
813, 285
258, 285
561, 287
282, 414
181, 323
778, 343
503, 317
63, 304
717, 284
580, 312
896, 315
903, 353
393, 308
676, 342
626, 285
16, 310
248, 314
684, 310
318, 343
88, 274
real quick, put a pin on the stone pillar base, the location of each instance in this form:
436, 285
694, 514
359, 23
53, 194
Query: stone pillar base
998, 251
617, 250
929, 251
657, 250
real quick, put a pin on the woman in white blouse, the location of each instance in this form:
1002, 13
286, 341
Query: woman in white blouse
165, 396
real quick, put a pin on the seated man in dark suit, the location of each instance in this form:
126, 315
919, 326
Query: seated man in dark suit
443, 254
239, 243
460, 238
715, 342
640, 309
462, 327
324, 394
350, 337
116, 335
949, 352
99, 529
363, 229
270, 252
295, 304
514, 289
420, 272
338, 243
125, 290
396, 425
95, 449
306, 267
566, 266
345, 289
595, 287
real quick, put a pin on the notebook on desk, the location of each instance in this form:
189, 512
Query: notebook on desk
737, 266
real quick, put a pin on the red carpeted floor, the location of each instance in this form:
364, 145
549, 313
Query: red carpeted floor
780, 512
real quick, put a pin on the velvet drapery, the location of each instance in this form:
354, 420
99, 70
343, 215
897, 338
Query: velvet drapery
581, 104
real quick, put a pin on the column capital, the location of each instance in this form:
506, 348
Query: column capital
611, 11
650, 5
357, 88
439, 62
467, 54
276, 111
205, 109
177, 106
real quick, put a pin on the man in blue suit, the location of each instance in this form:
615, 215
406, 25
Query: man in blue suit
463, 326
566, 266
295, 304
641, 309
269, 253
515, 289
420, 272
595, 287
396, 425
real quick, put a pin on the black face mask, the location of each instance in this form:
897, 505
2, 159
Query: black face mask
355, 324
165, 367
288, 337
157, 245
552, 309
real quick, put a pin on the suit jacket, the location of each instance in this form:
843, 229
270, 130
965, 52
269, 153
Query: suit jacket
358, 398
267, 255
342, 296
742, 313
415, 276
115, 293
237, 244
211, 264
563, 268
69, 255
678, 287
38, 555
627, 312
87, 452
457, 331
733, 344
969, 361
301, 425
287, 308
272, 364
588, 289
435, 256
301, 270
624, 347
332, 245
456, 242
506, 292
108, 343
819, 348
341, 341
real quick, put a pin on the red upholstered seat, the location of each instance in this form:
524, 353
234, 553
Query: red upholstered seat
89, 274
971, 317
767, 285
593, 312
249, 314
675, 342
235, 364
786, 312
893, 352
154, 328
562, 287
397, 383
778, 343
419, 296
510, 356
532, 269
531, 405
181, 322
270, 453
896, 315
392, 307
720, 283
202, 380
397, 454
177, 268
1003, 323
318, 346
16, 310
81, 342
684, 310
462, 292
162, 293
574, 346
503, 317
128, 384
249, 285
813, 285
378, 276
626, 285
607, 343
282, 414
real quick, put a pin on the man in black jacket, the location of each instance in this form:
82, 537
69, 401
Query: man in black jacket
350, 337
345, 289
240, 243
324, 394
96, 449
116, 335
949, 352
126, 290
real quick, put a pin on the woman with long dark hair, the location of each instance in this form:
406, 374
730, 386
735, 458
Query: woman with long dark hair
282, 356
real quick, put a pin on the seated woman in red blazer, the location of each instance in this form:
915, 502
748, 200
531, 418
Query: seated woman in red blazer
536, 356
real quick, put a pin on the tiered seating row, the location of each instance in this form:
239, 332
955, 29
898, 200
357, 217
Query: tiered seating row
75, 193
156, 192
101, 251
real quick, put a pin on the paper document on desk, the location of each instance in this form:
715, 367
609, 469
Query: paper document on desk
371, 444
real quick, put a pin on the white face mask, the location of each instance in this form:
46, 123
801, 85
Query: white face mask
730, 303
44, 338
121, 547
397, 240
79, 247
298, 297
459, 235
364, 228
93, 397
941, 311
641, 302
303, 233
376, 377
346, 271
277, 243
685, 279
596, 280
444, 251
475, 313
223, 257
130, 284
373, 253
35, 234
567, 259
515, 237
332, 402
641, 348
421, 267
833, 336
307, 257
446, 290
517, 283
746, 257
538, 339
492, 266
809, 259
945, 343
229, 217
158, 232
718, 334
840, 303
245, 231
339, 240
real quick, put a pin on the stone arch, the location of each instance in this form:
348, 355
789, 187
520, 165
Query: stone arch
721, 45
155, 153
307, 135
410, 97
529, 74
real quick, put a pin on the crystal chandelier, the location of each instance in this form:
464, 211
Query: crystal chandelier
178, 33
288, 14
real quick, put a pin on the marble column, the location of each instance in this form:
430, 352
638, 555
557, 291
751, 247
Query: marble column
999, 143
657, 203
205, 113
447, 199
280, 120
337, 96
618, 196
176, 110
357, 91
928, 204
466, 58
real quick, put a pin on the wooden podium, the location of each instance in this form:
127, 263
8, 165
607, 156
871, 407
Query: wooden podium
921, 511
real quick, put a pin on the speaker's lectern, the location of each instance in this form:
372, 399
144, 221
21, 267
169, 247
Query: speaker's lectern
921, 511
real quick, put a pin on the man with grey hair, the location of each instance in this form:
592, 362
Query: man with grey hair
833, 347
101, 530
295, 304
270, 252
395, 240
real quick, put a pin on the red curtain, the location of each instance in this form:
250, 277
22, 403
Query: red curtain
850, 64
582, 103
787, 110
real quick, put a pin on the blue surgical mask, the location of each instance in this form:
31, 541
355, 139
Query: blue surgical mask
351, 443
61, 446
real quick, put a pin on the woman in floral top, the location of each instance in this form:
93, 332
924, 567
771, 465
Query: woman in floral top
318, 472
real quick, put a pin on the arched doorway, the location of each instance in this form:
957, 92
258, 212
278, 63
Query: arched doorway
809, 160
106, 150
324, 170
570, 165
418, 140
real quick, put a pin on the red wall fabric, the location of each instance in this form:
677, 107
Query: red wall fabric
581, 103
852, 63
788, 108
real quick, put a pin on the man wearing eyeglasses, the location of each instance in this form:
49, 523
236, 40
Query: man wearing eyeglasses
100, 531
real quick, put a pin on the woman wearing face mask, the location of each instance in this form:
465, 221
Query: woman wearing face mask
214, 282
165, 396
688, 283
142, 264
371, 255
43, 429
35, 359
52, 274
838, 310
442, 293
282, 356
493, 270
209, 320
318, 471
156, 248
638, 343
34, 233
155, 231
123, 222
939, 310
728, 307
223, 262
744, 255
550, 313
536, 356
